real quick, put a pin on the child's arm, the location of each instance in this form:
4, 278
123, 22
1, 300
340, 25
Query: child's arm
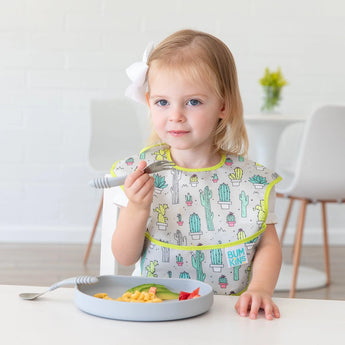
265, 271
128, 238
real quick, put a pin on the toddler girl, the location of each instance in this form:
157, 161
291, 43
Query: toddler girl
211, 217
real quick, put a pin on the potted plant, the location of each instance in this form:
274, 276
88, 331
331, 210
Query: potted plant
272, 83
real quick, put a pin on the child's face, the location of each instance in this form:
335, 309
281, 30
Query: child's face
184, 113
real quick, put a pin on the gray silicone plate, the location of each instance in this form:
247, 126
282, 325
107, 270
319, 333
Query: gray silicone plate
115, 286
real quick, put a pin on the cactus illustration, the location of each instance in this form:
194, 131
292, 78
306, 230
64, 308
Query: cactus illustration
214, 178
244, 198
160, 155
194, 225
237, 273
165, 254
241, 235
262, 212
151, 269
159, 182
240, 159
184, 275
175, 187
236, 176
223, 281
216, 259
142, 155
194, 180
205, 197
224, 196
179, 260
258, 181
161, 216
197, 260
179, 219
180, 239
130, 161
228, 161
230, 218
169, 274
189, 200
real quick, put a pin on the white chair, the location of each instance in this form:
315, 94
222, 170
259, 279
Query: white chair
319, 173
116, 131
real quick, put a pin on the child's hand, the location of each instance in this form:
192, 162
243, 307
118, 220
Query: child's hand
252, 301
139, 187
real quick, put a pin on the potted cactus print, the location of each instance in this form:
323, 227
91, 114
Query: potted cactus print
214, 178
130, 161
236, 177
241, 235
159, 183
162, 220
262, 212
224, 196
195, 226
230, 219
223, 282
228, 161
189, 200
160, 155
184, 275
258, 181
179, 260
216, 259
179, 219
259, 166
194, 180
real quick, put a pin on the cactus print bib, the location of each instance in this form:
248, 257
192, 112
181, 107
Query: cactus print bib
204, 224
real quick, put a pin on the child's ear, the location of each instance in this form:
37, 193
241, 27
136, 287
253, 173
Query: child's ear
147, 99
222, 112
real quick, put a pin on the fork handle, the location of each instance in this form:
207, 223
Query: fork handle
107, 182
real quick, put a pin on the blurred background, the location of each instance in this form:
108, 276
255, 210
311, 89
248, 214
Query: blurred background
56, 56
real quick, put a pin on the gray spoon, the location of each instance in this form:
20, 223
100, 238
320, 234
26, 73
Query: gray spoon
69, 281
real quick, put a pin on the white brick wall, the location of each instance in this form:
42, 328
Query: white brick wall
58, 55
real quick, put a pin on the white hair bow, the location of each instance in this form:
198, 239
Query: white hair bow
137, 74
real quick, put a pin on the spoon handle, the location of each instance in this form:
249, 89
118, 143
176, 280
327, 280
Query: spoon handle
75, 281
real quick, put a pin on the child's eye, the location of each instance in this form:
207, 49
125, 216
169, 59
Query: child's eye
193, 102
162, 102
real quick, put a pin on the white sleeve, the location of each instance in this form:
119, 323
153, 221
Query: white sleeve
271, 215
120, 198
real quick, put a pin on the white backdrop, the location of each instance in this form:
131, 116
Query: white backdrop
56, 56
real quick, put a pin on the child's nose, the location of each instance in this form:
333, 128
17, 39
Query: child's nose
177, 114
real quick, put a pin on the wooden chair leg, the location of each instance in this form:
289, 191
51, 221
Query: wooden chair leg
99, 212
286, 221
325, 242
298, 245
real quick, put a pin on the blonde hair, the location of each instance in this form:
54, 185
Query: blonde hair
204, 57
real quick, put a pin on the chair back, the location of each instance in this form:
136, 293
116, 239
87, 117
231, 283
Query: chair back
116, 132
320, 166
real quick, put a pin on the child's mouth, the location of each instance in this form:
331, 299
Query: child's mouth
178, 133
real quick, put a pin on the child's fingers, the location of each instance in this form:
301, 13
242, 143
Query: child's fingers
141, 165
136, 174
254, 309
243, 304
276, 312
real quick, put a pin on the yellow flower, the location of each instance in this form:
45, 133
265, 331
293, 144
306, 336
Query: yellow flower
275, 79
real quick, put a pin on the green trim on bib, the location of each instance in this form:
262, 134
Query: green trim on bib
267, 193
206, 247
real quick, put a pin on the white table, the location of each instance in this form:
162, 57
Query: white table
55, 320
264, 131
